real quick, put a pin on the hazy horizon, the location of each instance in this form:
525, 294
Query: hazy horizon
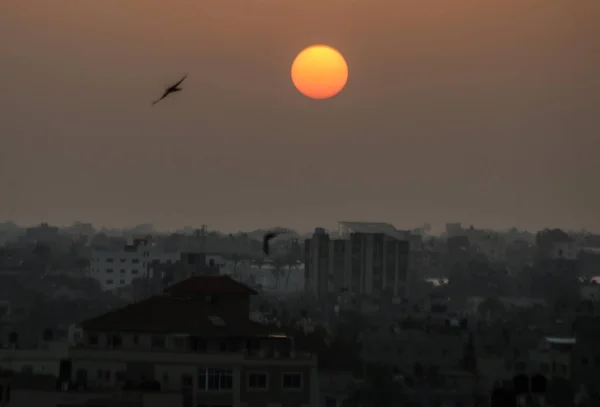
485, 113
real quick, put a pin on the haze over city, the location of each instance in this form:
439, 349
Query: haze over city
311, 203
484, 112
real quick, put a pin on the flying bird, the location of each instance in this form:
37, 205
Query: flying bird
267, 239
171, 89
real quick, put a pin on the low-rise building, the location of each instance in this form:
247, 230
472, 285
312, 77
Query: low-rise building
553, 358
116, 269
198, 339
43, 360
586, 355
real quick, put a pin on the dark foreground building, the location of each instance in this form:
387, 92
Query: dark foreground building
196, 339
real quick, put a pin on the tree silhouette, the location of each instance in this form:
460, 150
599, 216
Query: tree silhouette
548, 237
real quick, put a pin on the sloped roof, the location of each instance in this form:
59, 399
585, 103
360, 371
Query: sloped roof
210, 285
167, 314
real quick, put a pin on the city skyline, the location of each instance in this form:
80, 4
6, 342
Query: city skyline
485, 114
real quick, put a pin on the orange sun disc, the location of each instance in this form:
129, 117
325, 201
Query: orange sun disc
319, 72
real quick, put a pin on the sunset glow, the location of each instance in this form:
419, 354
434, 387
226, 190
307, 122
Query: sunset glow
319, 72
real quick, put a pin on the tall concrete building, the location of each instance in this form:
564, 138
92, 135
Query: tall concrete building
366, 258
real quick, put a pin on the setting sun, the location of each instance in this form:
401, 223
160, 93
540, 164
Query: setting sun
319, 72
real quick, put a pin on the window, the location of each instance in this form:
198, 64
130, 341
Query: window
93, 340
134, 272
229, 345
291, 381
158, 342
179, 343
27, 369
109, 270
123, 260
257, 381
121, 281
81, 376
330, 402
115, 341
135, 261
215, 379
197, 344
109, 260
135, 339
122, 271
109, 282
186, 380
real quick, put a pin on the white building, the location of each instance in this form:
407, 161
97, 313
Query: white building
117, 269
44, 360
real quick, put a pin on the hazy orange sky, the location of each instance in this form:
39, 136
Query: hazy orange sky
485, 112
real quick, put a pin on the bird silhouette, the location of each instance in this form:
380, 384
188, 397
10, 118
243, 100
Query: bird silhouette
266, 239
171, 89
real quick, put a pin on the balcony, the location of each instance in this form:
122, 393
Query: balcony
200, 358
154, 356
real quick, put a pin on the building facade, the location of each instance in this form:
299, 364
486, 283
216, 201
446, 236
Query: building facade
196, 339
117, 269
368, 259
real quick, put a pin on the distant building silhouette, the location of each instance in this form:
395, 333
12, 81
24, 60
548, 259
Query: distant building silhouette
369, 258
117, 269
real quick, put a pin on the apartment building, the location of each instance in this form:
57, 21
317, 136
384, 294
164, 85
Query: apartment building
197, 339
368, 258
117, 269
553, 358
586, 352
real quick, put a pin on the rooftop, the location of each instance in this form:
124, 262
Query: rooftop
591, 250
166, 314
561, 341
210, 285
372, 227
